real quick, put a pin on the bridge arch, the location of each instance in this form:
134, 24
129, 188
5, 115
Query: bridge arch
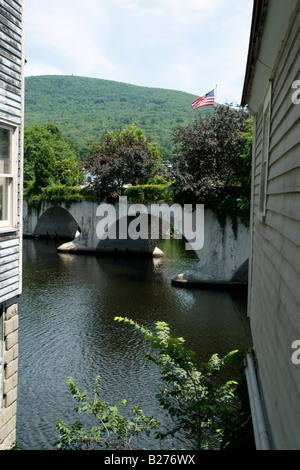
138, 227
223, 256
57, 222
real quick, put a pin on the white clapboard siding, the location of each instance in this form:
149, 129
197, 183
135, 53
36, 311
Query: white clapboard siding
11, 107
275, 288
10, 61
9, 268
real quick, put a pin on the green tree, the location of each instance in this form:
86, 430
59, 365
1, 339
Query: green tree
44, 166
214, 161
61, 167
121, 157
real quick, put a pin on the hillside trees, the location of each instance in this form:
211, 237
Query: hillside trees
86, 108
121, 157
214, 163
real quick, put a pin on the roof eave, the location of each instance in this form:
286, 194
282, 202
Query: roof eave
258, 19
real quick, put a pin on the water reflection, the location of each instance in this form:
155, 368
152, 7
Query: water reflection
67, 328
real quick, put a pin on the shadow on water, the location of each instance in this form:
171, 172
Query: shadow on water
67, 328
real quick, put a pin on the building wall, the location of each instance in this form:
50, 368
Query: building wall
11, 116
274, 295
10, 379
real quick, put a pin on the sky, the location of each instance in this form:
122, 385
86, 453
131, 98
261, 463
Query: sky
185, 45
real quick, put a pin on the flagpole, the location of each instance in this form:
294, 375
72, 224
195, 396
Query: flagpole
216, 93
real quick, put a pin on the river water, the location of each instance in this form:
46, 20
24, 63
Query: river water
67, 328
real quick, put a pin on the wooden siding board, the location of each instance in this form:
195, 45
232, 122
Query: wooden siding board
12, 30
9, 75
285, 204
12, 14
288, 182
9, 267
282, 84
8, 242
14, 58
276, 228
10, 67
12, 264
10, 290
6, 276
11, 258
11, 42
9, 83
10, 119
285, 163
287, 135
6, 86
10, 107
8, 97
10, 48
14, 6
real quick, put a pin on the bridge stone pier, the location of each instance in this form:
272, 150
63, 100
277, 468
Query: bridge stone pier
87, 227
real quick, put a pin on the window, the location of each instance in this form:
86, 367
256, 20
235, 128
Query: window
1, 353
265, 155
8, 153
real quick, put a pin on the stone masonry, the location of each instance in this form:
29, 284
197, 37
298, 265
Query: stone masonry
9, 408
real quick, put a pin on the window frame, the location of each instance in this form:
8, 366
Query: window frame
11, 178
265, 153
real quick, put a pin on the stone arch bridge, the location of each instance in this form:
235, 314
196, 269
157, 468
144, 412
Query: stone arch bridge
87, 227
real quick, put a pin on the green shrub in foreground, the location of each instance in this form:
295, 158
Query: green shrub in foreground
205, 414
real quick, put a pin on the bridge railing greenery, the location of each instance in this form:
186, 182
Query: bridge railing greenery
61, 194
56, 194
149, 193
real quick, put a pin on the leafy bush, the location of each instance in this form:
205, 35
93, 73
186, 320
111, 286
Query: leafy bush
205, 414
113, 430
54, 193
148, 193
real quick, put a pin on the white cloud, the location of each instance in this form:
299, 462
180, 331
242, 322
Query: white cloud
161, 43
74, 32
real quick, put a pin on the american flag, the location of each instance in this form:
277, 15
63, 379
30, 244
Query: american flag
206, 100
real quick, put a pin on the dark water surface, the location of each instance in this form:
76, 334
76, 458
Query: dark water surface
67, 328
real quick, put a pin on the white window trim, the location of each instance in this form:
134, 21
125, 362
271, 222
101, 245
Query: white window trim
11, 222
265, 152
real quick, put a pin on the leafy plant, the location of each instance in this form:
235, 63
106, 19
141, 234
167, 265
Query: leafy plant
48, 158
148, 193
55, 194
200, 408
205, 414
112, 430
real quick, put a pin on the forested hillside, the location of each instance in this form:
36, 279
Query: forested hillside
86, 108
